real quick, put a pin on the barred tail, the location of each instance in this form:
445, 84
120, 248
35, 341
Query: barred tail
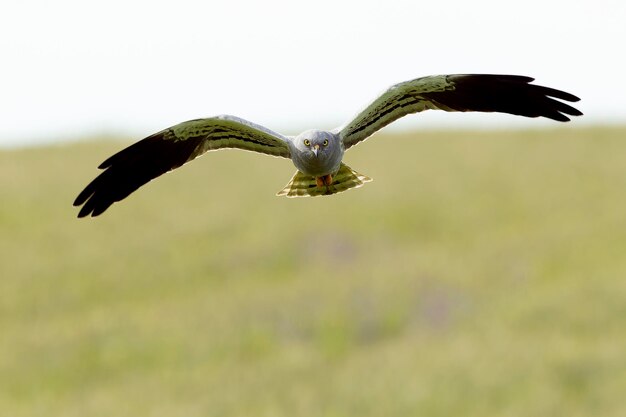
302, 185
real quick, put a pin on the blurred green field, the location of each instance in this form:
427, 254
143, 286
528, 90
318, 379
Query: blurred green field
480, 274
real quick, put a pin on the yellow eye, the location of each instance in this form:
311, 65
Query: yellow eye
307, 142
326, 142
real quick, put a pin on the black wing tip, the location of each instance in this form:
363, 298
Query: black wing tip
89, 207
575, 112
560, 118
519, 79
132, 167
564, 117
82, 214
564, 112
561, 95
86, 198
573, 99
548, 98
523, 79
93, 207
82, 197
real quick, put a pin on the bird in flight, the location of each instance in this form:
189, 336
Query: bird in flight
318, 154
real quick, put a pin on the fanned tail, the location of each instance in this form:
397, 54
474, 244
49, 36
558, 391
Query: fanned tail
302, 185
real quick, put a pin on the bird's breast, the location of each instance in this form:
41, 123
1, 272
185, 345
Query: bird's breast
317, 166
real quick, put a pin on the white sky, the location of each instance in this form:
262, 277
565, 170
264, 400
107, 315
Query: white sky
75, 68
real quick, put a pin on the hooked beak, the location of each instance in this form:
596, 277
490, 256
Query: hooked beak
315, 149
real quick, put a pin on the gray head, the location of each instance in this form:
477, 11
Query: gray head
317, 152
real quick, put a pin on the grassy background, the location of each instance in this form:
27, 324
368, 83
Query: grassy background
481, 273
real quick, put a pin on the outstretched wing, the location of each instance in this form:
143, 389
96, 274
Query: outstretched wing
463, 92
168, 149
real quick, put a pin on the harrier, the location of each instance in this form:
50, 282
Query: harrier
318, 154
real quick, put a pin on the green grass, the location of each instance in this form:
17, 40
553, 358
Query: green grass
480, 274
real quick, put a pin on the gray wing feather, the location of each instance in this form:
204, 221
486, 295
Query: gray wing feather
170, 148
228, 131
463, 92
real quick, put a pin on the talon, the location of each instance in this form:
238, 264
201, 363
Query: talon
326, 180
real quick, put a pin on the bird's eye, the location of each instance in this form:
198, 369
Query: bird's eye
326, 142
307, 142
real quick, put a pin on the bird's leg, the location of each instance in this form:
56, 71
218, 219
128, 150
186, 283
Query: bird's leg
325, 180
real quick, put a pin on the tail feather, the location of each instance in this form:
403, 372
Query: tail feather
302, 185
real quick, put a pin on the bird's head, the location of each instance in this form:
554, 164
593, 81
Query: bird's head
318, 152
